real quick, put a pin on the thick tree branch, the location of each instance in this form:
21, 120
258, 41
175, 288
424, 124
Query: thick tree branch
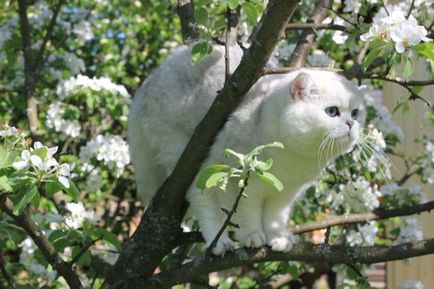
185, 10
160, 224
307, 252
29, 71
24, 221
305, 42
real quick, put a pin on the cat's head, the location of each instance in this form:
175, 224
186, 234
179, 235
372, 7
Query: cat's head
325, 116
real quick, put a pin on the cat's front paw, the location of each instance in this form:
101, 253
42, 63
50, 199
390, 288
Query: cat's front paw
255, 240
280, 241
224, 244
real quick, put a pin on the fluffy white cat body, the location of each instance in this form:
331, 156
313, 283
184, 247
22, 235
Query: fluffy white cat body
287, 108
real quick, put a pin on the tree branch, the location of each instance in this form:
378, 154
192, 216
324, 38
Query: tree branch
305, 42
29, 73
5, 273
47, 36
379, 214
307, 252
315, 26
185, 11
47, 249
161, 222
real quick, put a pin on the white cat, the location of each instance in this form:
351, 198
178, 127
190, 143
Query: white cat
317, 115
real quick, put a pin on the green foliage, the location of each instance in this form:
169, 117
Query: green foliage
219, 175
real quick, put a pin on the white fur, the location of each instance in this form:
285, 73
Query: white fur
177, 95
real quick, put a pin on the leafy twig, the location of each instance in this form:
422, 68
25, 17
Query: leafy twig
47, 249
229, 216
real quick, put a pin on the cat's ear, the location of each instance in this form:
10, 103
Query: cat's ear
302, 86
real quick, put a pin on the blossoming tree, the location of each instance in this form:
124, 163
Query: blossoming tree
67, 199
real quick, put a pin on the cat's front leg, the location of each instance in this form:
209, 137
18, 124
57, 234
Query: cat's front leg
249, 220
207, 210
276, 215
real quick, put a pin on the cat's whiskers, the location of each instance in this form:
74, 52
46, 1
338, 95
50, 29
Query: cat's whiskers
378, 156
322, 147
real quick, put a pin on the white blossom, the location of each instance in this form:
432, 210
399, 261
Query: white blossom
83, 30
55, 121
411, 230
8, 130
408, 34
352, 6
78, 214
395, 27
67, 87
112, 150
365, 235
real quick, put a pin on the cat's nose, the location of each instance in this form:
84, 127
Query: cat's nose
349, 123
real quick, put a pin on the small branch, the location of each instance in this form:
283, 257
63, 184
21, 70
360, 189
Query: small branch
305, 42
84, 250
383, 3
185, 10
47, 36
5, 273
378, 214
410, 10
47, 249
228, 218
315, 26
343, 18
335, 254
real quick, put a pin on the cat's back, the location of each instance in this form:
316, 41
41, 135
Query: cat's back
167, 108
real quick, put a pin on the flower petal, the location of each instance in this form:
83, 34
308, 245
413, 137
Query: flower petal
64, 181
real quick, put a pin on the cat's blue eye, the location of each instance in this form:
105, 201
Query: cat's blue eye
332, 111
354, 113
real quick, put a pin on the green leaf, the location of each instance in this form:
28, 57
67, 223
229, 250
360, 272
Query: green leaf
52, 187
229, 152
378, 43
258, 150
201, 15
271, 179
7, 157
206, 173
425, 49
107, 236
216, 179
41, 152
233, 4
408, 67
251, 12
4, 184
199, 51
72, 191
264, 166
23, 198
374, 53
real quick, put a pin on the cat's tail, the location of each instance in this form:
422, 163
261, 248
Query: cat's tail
149, 175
